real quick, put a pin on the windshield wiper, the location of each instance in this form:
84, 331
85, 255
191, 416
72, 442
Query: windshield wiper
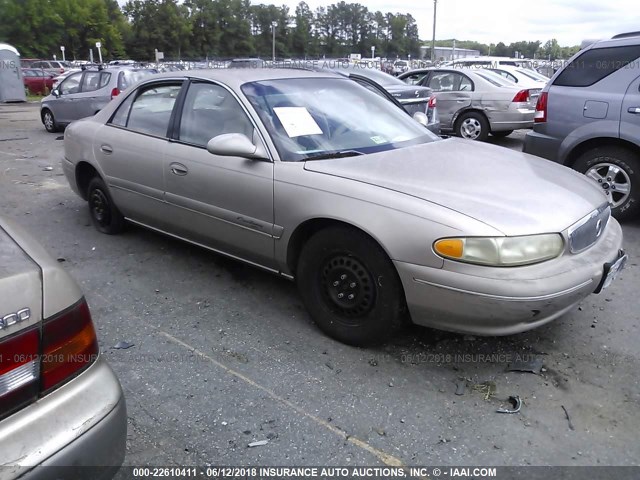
340, 154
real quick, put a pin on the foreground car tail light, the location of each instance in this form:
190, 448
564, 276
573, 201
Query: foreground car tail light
114, 93
19, 368
69, 345
432, 101
541, 108
501, 251
521, 97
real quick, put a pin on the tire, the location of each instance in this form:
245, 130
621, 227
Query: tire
502, 134
104, 214
617, 171
472, 126
344, 261
49, 121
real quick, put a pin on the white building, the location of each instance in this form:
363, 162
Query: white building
448, 53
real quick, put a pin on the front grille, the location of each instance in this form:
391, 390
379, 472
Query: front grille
586, 232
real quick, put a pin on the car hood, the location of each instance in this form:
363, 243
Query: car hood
513, 192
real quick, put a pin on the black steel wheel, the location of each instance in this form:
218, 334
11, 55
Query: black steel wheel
350, 287
104, 214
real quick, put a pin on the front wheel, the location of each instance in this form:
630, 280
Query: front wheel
49, 121
104, 214
350, 287
472, 126
617, 171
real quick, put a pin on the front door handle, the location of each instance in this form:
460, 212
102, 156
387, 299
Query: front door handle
106, 149
178, 169
634, 110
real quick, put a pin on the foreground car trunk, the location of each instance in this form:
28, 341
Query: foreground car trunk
46, 332
515, 193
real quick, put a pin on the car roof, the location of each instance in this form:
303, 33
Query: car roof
621, 40
235, 77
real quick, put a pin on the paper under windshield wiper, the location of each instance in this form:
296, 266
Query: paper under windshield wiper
340, 154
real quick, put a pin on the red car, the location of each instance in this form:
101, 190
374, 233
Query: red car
37, 81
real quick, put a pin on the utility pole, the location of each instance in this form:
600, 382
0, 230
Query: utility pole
433, 40
274, 24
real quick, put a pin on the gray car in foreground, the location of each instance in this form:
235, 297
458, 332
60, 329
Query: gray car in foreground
475, 103
85, 93
376, 218
588, 118
60, 403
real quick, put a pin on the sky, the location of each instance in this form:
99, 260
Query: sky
493, 21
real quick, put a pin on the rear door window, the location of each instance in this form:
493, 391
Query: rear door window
598, 63
151, 109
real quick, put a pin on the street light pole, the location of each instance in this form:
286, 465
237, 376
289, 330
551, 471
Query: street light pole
273, 52
433, 40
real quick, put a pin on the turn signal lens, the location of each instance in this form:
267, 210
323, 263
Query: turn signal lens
501, 251
451, 248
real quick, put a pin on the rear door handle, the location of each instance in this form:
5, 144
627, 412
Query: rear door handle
634, 110
106, 149
178, 169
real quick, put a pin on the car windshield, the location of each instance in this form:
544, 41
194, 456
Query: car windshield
371, 72
307, 118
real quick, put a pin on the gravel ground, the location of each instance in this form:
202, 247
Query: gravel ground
225, 355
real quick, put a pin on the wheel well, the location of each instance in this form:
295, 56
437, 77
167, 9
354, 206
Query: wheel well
305, 231
84, 173
599, 143
469, 110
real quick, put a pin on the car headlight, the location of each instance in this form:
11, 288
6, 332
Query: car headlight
501, 251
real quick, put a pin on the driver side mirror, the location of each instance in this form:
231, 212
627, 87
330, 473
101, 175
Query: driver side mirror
55, 92
237, 145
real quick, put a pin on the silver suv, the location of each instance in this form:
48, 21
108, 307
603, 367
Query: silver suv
85, 93
588, 118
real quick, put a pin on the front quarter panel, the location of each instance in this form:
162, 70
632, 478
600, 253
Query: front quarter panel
404, 226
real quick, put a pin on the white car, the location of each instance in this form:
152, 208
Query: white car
524, 77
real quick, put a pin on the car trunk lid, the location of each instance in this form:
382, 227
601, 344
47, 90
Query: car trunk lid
20, 325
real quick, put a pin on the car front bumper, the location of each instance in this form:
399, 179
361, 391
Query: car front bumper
503, 301
77, 431
536, 143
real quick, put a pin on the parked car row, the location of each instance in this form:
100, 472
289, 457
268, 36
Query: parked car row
473, 103
344, 201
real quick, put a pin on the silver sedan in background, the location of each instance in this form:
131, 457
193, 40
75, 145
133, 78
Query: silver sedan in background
314, 177
472, 103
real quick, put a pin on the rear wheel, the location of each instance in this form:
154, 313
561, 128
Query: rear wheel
104, 214
502, 134
617, 171
350, 287
472, 126
49, 121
